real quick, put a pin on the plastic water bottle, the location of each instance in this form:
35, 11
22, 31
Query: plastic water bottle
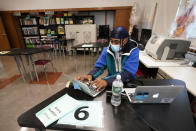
117, 87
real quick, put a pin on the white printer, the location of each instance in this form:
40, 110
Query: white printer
164, 48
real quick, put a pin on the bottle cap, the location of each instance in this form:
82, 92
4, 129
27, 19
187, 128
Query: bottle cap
118, 77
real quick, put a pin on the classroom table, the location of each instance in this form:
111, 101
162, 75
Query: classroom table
28, 52
134, 117
187, 74
174, 69
150, 62
88, 46
61, 45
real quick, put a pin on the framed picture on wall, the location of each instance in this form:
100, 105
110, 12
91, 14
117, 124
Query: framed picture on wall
184, 25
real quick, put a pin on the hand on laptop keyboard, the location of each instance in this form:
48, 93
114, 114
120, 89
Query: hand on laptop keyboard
97, 84
92, 88
100, 84
84, 78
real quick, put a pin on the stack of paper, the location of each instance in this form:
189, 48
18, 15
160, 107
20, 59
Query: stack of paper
87, 45
72, 112
90, 114
59, 108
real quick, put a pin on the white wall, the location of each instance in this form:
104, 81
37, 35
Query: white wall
100, 18
110, 19
166, 12
57, 4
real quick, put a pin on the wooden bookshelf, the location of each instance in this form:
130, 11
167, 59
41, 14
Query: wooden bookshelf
36, 28
13, 28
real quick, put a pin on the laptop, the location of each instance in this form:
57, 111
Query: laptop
153, 94
85, 86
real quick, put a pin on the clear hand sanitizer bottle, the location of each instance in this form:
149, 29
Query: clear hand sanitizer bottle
117, 87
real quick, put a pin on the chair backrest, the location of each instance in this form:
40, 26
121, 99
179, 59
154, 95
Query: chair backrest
104, 31
145, 36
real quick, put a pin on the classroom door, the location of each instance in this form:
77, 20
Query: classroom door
122, 17
4, 42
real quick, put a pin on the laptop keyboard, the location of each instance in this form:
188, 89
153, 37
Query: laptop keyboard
92, 88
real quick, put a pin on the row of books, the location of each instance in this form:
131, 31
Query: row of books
28, 21
47, 31
30, 30
51, 21
86, 21
32, 40
39, 45
60, 30
64, 20
47, 21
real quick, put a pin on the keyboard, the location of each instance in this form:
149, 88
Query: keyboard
92, 88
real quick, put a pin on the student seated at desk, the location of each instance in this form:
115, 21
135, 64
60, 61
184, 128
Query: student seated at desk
120, 57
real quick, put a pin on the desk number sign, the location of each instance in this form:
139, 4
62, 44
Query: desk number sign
59, 108
89, 114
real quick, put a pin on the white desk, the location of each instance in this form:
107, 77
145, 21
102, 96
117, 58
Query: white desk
186, 74
172, 69
150, 62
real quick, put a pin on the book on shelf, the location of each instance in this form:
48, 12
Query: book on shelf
61, 30
62, 20
30, 30
30, 21
69, 14
71, 21
29, 45
47, 31
42, 31
58, 21
46, 21
65, 14
52, 32
67, 21
32, 40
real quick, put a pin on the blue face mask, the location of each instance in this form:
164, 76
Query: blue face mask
115, 48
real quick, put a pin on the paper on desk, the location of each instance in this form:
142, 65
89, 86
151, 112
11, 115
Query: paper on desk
90, 114
4, 52
87, 45
59, 108
129, 92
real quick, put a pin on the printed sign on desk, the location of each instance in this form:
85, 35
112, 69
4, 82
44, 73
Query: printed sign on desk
90, 114
59, 108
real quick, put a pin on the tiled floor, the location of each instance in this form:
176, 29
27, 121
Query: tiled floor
18, 96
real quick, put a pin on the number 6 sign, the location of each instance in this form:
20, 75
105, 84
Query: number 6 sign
79, 110
89, 114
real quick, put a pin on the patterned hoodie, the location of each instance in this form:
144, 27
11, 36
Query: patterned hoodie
127, 67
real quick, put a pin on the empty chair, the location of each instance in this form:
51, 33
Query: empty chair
43, 62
